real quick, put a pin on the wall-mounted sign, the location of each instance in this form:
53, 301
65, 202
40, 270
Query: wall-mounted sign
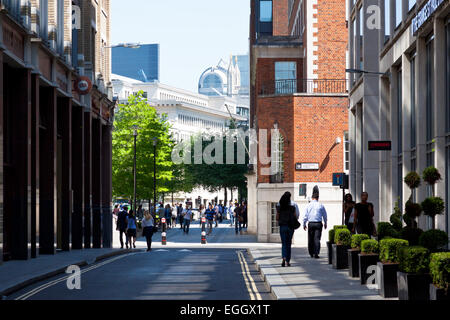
306, 166
302, 190
83, 85
424, 14
380, 145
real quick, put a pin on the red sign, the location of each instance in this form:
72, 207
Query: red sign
380, 145
83, 85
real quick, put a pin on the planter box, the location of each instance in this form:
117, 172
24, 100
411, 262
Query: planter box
330, 252
340, 257
438, 294
353, 263
365, 261
413, 286
387, 280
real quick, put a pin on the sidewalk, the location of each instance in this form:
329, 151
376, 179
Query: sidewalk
16, 274
307, 278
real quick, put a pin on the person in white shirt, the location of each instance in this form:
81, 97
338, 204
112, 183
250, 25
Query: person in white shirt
148, 229
187, 217
231, 208
314, 214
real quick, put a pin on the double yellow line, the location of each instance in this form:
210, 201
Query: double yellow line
64, 278
249, 282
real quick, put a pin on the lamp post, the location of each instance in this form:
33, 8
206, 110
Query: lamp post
155, 142
135, 133
367, 72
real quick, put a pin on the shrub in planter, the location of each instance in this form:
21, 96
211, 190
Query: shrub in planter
412, 211
357, 239
412, 180
431, 175
433, 240
385, 229
412, 235
370, 247
330, 243
343, 237
389, 249
413, 280
331, 236
396, 218
340, 227
440, 274
433, 206
414, 259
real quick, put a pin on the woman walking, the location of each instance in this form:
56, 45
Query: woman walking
349, 205
174, 216
148, 224
210, 214
363, 223
131, 229
285, 216
168, 215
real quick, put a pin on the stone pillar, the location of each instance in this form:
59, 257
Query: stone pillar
106, 164
87, 179
77, 177
385, 160
406, 103
96, 183
65, 110
35, 103
47, 175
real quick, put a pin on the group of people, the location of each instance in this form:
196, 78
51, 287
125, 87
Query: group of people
358, 218
237, 212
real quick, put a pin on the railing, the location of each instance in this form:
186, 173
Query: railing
291, 86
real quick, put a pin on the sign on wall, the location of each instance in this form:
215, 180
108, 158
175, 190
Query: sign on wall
306, 166
83, 85
424, 14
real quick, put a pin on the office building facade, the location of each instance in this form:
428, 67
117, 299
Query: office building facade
137, 63
407, 103
55, 127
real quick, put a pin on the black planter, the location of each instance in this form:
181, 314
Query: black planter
438, 294
353, 263
387, 280
365, 261
340, 257
413, 286
330, 252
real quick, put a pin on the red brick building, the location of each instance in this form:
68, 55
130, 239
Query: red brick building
297, 62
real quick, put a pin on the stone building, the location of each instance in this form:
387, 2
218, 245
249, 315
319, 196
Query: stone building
56, 114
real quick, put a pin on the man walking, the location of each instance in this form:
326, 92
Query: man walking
122, 225
231, 208
180, 215
210, 214
187, 217
314, 214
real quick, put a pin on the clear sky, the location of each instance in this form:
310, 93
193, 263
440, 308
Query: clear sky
193, 34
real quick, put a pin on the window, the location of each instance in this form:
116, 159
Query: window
413, 101
355, 52
361, 38
277, 157
346, 152
429, 88
265, 11
285, 77
274, 225
387, 19
399, 113
398, 12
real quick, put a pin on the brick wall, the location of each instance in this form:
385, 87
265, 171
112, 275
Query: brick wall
265, 77
280, 18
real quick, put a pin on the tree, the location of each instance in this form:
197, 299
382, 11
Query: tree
137, 112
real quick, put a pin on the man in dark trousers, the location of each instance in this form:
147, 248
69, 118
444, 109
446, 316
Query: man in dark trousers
314, 214
122, 225
180, 215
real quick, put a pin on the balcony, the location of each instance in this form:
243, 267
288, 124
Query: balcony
309, 86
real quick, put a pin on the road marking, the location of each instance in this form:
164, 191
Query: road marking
162, 250
64, 278
249, 282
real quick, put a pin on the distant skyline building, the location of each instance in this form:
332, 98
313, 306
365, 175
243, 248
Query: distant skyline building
141, 64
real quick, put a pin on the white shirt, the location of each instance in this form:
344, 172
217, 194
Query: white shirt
147, 223
315, 212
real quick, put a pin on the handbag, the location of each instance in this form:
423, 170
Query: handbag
293, 223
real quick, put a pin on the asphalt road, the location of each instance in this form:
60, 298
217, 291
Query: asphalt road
162, 274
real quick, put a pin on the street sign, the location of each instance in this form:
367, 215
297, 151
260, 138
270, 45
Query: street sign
380, 145
306, 166
338, 179
302, 192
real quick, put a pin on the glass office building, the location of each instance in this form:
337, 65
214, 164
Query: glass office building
244, 67
141, 64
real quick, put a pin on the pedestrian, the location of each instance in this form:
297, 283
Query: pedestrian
140, 212
168, 215
122, 225
202, 211
180, 215
148, 225
187, 217
238, 217
210, 214
221, 213
244, 214
285, 217
314, 214
131, 229
349, 213
231, 208
363, 217
174, 216
216, 215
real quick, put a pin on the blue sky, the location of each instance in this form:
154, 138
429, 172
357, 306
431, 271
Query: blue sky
193, 35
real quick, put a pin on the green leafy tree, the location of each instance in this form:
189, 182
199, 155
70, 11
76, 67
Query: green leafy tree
137, 112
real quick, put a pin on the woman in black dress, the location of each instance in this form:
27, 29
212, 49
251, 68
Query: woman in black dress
349, 205
285, 214
364, 216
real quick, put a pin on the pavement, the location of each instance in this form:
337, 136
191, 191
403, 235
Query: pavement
178, 264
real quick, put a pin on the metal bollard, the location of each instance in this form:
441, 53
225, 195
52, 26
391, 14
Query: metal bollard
163, 233
203, 231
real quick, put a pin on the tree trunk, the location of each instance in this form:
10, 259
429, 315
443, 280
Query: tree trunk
172, 198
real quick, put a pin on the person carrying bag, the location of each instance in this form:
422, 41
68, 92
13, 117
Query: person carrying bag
288, 222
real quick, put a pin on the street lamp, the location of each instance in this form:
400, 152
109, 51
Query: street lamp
135, 134
155, 142
367, 72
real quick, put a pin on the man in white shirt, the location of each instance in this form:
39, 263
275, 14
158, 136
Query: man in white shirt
314, 214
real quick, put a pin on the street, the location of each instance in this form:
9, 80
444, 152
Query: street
170, 273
